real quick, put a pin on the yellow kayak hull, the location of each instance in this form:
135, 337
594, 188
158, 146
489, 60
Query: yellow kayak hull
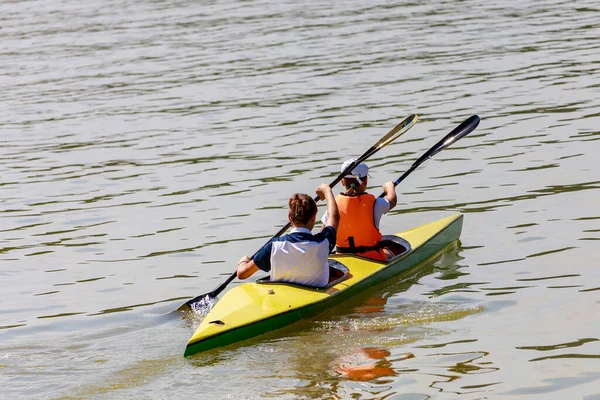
253, 308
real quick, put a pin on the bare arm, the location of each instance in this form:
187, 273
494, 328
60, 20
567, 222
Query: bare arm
246, 268
390, 193
333, 214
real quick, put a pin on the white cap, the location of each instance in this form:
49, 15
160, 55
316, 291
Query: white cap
359, 172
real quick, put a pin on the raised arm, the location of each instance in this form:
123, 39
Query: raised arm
390, 193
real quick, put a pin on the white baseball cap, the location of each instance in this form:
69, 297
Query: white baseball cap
359, 172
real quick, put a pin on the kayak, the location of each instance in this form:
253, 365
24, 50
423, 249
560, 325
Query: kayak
254, 308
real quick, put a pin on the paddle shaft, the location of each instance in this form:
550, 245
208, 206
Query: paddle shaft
396, 132
402, 177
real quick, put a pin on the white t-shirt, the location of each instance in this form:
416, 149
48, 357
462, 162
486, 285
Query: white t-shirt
381, 206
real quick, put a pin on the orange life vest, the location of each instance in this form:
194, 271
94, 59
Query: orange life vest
357, 225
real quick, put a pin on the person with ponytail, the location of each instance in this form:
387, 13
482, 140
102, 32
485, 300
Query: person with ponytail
299, 257
360, 213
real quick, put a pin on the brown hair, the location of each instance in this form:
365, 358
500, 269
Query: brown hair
351, 185
302, 208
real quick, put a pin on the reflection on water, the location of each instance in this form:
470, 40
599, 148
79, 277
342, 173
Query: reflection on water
366, 364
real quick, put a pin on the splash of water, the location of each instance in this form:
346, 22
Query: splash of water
203, 306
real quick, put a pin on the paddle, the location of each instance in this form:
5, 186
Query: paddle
392, 135
462, 130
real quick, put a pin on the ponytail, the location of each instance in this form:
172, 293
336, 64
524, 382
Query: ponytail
302, 208
351, 185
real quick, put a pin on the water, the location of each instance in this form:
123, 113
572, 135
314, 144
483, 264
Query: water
146, 146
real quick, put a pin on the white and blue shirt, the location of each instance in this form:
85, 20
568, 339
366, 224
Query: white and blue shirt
299, 257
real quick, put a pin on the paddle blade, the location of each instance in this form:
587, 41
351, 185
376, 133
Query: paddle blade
457, 133
397, 131
200, 304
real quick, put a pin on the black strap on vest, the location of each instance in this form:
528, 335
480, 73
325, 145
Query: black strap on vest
359, 249
351, 241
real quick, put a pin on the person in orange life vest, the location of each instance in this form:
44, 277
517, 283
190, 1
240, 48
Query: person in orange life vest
360, 213
300, 256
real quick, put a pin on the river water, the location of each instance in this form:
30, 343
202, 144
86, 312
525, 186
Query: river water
147, 145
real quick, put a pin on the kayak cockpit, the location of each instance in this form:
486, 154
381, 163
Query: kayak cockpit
395, 245
338, 272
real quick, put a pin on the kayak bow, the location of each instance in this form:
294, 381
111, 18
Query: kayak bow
254, 308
